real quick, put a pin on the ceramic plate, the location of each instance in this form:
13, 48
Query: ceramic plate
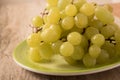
57, 66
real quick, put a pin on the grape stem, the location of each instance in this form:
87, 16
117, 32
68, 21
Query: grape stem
34, 29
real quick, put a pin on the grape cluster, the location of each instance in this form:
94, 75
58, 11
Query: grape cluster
77, 30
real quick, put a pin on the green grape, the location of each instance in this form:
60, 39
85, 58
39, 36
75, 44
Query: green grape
70, 61
62, 13
66, 49
74, 38
56, 46
67, 23
110, 48
53, 16
46, 51
98, 40
78, 53
34, 54
104, 15
37, 21
79, 3
81, 20
87, 9
52, 2
34, 40
89, 61
90, 32
96, 24
51, 34
70, 10
117, 36
63, 3
108, 31
103, 57
94, 51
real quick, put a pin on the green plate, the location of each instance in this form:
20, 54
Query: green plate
57, 66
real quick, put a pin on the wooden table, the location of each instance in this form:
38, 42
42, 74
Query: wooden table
14, 21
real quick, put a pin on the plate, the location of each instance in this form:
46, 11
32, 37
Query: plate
57, 66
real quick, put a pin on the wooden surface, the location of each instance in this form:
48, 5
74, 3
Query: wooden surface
14, 20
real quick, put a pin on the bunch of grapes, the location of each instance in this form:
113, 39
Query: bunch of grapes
77, 30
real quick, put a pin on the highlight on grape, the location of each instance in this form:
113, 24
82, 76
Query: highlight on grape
79, 31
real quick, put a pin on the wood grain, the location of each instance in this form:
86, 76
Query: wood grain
14, 27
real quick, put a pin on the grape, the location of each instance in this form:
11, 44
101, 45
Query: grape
90, 32
68, 23
108, 31
45, 26
78, 53
117, 48
94, 51
87, 9
79, 3
76, 29
51, 34
70, 10
52, 2
63, 3
98, 39
34, 40
104, 15
56, 46
84, 43
37, 21
66, 49
108, 7
34, 54
53, 16
103, 57
74, 38
110, 48
117, 36
45, 18
81, 20
46, 51
88, 61
96, 24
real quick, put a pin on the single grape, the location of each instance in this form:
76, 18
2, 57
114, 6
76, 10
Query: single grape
70, 10
34, 54
81, 20
70, 61
90, 32
46, 26
98, 40
78, 53
108, 31
56, 46
87, 9
34, 40
108, 7
89, 61
46, 51
110, 48
117, 49
53, 16
94, 51
103, 57
76, 29
66, 49
45, 18
51, 34
74, 38
37, 21
104, 15
68, 23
